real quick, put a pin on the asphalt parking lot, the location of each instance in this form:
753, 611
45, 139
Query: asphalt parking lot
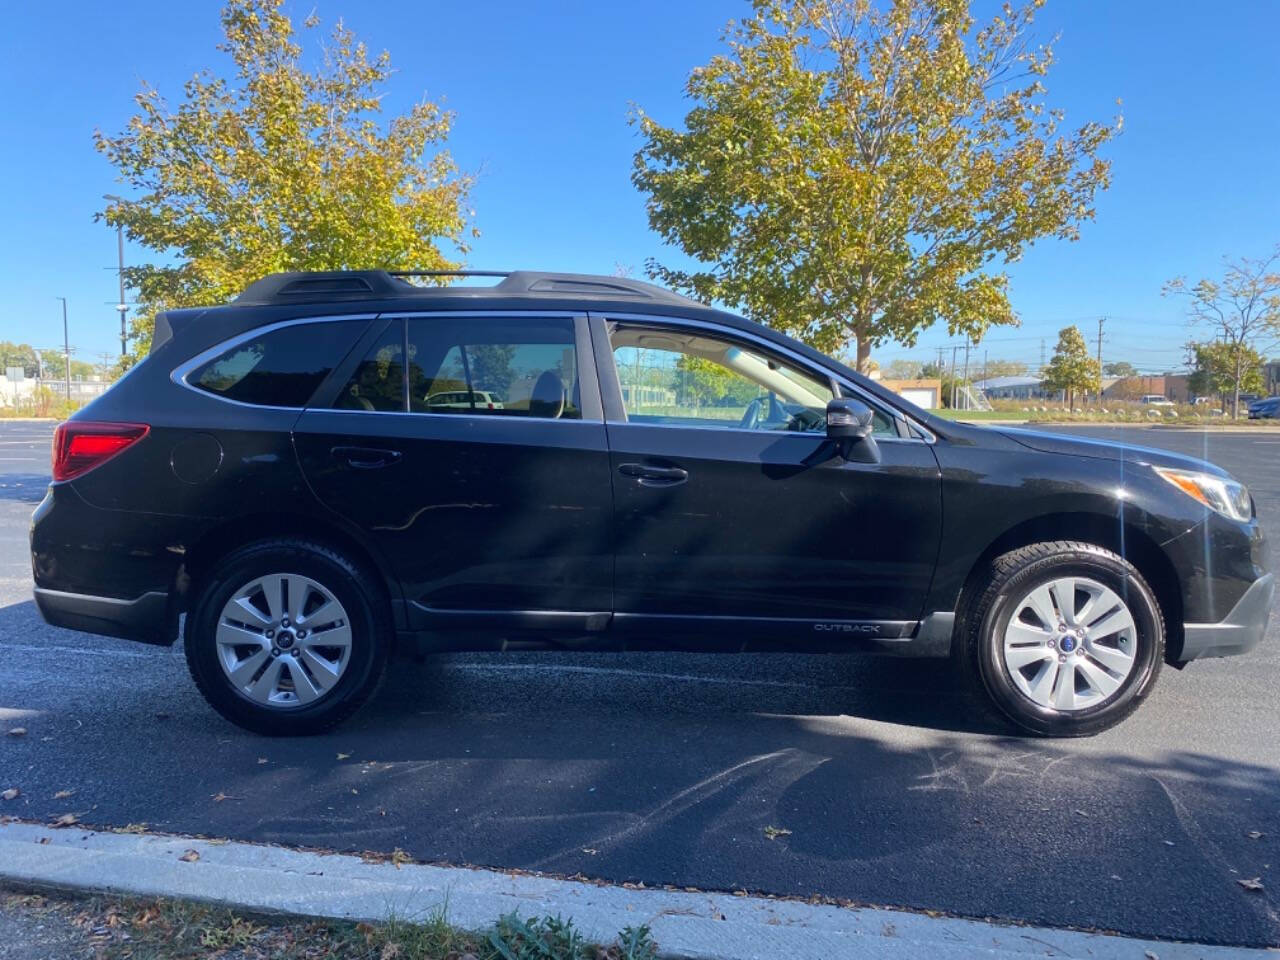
680, 769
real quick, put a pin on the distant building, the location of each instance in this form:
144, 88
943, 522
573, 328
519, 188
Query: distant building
1011, 388
1171, 386
1271, 377
923, 393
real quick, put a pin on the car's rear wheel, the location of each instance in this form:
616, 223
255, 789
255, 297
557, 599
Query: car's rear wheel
1066, 638
287, 637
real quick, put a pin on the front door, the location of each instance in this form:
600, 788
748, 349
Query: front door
732, 512
478, 468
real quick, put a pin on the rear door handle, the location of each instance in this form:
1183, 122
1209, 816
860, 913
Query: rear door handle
650, 476
366, 458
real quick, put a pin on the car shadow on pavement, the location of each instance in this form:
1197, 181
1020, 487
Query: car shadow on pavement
915, 692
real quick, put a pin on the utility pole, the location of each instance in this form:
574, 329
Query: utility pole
66, 344
953, 375
1101, 321
120, 304
966, 373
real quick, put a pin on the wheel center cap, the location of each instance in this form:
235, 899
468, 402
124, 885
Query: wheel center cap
284, 639
1067, 643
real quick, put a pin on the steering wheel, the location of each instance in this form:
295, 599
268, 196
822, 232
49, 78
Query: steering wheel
751, 416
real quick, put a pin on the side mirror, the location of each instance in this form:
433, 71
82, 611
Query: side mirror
849, 419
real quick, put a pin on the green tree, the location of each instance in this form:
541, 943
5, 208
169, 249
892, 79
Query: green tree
20, 355
860, 170
702, 382
1243, 307
1121, 368
283, 166
1071, 368
902, 369
1213, 370
1003, 368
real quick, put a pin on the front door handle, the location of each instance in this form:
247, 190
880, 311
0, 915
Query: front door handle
651, 476
366, 458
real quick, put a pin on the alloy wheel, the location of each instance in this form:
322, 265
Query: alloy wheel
283, 640
1070, 644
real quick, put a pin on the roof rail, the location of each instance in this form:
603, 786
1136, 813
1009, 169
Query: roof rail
449, 273
336, 285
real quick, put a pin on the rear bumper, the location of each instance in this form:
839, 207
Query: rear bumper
146, 618
1239, 632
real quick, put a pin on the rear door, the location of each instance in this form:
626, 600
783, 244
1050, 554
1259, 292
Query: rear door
733, 515
471, 450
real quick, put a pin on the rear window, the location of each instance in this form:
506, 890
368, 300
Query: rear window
280, 368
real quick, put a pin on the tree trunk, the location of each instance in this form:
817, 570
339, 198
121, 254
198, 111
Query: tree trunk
1235, 400
864, 356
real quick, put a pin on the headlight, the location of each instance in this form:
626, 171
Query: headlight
1227, 497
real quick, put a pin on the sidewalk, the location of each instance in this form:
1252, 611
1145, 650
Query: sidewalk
706, 926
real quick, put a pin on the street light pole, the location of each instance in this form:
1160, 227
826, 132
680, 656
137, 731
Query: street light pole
120, 304
66, 344
122, 307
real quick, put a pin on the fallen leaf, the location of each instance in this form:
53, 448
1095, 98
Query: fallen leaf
262, 759
1253, 885
1151, 955
773, 833
63, 794
191, 856
44, 840
66, 820
1255, 834
220, 796
18, 732
1167, 843
390, 951
398, 857
344, 756
10, 794
590, 851
1079, 813
133, 828
355, 791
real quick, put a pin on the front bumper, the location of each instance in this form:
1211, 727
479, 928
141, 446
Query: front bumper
147, 618
1239, 632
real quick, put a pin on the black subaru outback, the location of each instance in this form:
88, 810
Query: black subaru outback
337, 465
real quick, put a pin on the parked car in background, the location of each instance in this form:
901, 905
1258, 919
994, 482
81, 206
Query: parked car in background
1156, 400
1268, 408
463, 400
670, 477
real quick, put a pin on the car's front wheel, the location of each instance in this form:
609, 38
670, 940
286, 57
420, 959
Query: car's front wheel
1066, 638
287, 637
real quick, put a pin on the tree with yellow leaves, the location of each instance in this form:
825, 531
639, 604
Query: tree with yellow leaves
281, 167
856, 171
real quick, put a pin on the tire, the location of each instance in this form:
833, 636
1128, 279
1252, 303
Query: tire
297, 682
1094, 678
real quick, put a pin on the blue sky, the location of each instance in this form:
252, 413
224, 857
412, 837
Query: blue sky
542, 91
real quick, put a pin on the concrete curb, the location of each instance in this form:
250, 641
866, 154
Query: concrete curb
705, 926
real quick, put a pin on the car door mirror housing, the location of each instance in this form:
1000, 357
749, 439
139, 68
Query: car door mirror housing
849, 419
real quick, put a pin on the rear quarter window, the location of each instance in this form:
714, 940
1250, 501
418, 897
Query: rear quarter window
281, 367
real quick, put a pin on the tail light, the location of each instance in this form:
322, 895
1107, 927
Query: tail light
81, 445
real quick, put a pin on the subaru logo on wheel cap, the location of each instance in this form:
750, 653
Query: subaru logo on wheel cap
1067, 644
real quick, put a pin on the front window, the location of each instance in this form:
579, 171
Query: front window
689, 378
